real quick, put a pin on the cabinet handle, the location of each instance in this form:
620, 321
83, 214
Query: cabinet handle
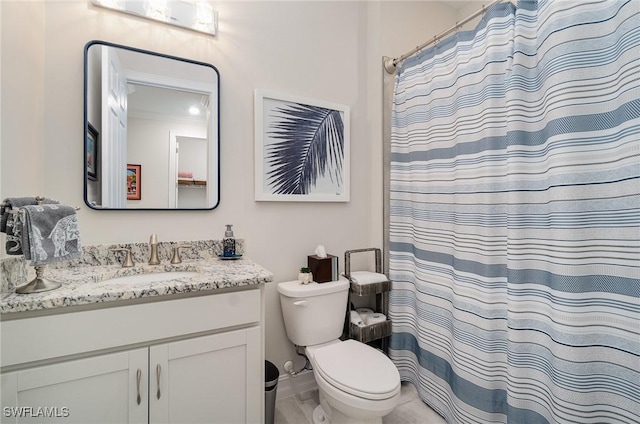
138, 377
158, 369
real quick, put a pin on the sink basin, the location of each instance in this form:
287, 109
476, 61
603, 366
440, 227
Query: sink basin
151, 278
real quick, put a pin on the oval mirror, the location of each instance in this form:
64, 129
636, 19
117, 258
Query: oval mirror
151, 130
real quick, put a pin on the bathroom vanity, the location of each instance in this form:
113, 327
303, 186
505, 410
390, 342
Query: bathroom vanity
186, 349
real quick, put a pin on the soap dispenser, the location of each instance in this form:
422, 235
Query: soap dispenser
228, 243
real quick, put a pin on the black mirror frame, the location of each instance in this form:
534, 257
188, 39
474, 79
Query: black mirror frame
87, 126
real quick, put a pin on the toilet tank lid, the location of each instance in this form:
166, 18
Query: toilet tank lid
295, 289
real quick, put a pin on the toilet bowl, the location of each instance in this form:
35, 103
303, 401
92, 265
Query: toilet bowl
357, 383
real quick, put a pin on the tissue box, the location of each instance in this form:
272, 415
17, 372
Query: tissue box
323, 269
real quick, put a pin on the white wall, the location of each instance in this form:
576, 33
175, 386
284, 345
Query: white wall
193, 158
23, 24
325, 50
148, 145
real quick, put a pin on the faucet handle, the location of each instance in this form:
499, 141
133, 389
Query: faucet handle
153, 247
176, 259
128, 261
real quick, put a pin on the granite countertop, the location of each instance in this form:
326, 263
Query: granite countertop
84, 284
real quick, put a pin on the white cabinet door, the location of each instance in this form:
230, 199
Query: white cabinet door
100, 389
211, 379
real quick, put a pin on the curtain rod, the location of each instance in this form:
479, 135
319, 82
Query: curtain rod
390, 64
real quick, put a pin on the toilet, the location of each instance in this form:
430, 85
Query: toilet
357, 383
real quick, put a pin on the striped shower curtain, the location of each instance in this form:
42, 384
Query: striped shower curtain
515, 217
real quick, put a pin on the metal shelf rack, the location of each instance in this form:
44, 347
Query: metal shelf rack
379, 331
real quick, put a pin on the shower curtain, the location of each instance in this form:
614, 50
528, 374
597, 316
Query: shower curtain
514, 241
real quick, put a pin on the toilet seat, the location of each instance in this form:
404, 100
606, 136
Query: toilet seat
357, 369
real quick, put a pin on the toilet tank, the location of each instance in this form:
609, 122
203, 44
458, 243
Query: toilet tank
314, 313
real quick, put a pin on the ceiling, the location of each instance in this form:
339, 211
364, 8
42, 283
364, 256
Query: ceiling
145, 101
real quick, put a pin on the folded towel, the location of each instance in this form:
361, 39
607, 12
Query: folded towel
8, 221
367, 277
375, 319
49, 233
185, 174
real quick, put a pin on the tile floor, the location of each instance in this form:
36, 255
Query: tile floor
411, 410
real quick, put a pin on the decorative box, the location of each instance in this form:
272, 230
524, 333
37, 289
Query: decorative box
323, 269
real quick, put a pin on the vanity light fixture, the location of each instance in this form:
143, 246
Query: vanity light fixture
196, 15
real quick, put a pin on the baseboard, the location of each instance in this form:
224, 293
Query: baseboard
290, 386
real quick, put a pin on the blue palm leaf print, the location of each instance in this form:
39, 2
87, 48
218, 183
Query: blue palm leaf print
310, 146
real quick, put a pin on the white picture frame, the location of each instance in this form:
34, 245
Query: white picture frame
302, 149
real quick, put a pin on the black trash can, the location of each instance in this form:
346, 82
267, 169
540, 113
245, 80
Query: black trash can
271, 375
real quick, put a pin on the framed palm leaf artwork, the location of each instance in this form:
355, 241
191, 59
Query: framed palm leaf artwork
302, 149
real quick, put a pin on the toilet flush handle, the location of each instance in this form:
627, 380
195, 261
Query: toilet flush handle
301, 303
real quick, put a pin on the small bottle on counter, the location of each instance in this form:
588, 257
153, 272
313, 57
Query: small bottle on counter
228, 243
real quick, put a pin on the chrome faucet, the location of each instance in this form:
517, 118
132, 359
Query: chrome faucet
153, 244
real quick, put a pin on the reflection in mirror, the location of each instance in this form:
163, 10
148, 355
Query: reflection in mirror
156, 111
